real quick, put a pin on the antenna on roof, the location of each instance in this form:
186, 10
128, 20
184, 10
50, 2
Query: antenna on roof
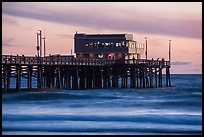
76, 32
146, 47
40, 40
44, 41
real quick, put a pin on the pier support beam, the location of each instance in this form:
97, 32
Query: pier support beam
7, 73
68, 77
93, 79
59, 82
18, 77
5, 79
151, 77
75, 77
82, 77
39, 76
89, 77
48, 77
29, 72
146, 78
137, 78
168, 79
126, 79
113, 77
155, 71
160, 77
108, 77
98, 77
132, 78
52, 76
105, 77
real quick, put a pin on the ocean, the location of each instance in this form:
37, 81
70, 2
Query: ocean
116, 111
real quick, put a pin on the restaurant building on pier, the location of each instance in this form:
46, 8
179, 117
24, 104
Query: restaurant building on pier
107, 46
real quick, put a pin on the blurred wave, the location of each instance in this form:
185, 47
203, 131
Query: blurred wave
175, 110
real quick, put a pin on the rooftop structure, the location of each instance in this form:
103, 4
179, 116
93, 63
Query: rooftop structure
107, 46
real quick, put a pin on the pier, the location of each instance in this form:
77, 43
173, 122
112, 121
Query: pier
75, 73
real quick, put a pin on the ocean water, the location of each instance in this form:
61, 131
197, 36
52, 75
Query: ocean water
162, 111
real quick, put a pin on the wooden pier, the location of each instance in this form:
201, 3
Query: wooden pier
72, 73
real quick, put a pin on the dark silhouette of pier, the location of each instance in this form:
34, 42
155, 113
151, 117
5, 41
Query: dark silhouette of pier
73, 73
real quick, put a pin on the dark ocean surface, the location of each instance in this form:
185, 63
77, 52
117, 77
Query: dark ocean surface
169, 111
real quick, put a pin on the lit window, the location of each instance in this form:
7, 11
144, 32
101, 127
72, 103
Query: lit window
109, 56
132, 45
94, 44
100, 56
123, 43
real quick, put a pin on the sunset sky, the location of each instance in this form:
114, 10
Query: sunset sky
160, 22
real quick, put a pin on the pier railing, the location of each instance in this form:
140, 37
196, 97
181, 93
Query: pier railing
28, 60
73, 73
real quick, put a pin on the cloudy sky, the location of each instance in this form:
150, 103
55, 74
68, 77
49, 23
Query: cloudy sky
160, 22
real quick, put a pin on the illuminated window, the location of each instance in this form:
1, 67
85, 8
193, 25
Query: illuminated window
123, 43
127, 44
132, 45
100, 56
91, 55
109, 56
102, 44
94, 44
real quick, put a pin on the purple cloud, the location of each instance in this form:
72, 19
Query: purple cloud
104, 18
180, 63
65, 36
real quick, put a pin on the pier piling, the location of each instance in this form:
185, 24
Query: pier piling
84, 74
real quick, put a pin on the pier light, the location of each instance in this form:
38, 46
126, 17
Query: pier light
40, 42
100, 56
169, 50
38, 47
146, 47
91, 55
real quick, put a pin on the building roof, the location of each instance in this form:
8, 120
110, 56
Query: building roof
103, 36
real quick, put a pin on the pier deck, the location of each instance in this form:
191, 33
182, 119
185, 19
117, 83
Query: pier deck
73, 73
